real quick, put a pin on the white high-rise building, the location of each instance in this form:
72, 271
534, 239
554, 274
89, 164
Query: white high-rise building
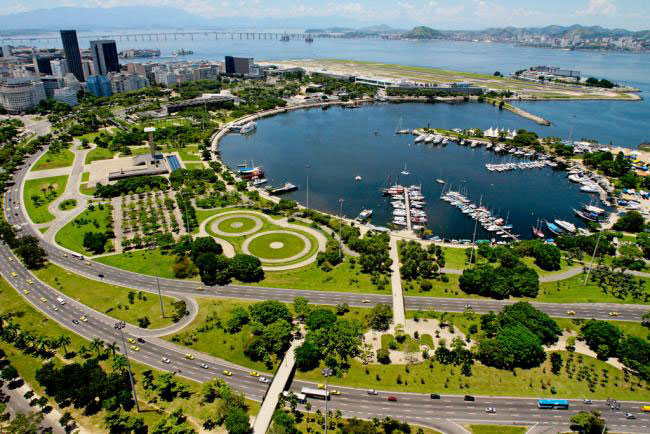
19, 94
125, 82
59, 68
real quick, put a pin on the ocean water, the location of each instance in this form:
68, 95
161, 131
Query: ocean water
338, 144
621, 123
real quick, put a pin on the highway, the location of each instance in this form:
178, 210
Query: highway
415, 408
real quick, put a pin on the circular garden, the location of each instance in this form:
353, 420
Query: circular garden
277, 246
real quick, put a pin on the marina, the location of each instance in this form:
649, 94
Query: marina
545, 193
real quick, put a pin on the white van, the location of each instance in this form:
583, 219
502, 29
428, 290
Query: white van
60, 300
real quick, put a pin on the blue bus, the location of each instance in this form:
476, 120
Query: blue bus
561, 404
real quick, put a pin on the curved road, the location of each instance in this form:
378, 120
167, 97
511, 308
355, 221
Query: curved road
415, 408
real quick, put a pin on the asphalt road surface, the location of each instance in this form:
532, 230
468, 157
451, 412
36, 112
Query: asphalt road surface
416, 408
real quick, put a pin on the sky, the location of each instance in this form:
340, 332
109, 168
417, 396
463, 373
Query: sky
443, 14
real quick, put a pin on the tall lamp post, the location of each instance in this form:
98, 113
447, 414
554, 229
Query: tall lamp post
327, 372
119, 326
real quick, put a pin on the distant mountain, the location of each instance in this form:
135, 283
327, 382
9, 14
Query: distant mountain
330, 30
422, 32
576, 30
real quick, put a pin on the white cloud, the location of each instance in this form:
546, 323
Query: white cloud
13, 9
599, 7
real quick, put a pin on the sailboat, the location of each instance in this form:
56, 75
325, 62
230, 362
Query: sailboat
440, 181
405, 172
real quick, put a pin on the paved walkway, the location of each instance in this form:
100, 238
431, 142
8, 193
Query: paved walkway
36, 174
263, 419
399, 314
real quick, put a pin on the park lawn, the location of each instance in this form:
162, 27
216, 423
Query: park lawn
204, 214
261, 246
191, 166
188, 153
109, 299
433, 377
98, 154
236, 225
84, 189
43, 230
40, 214
628, 327
308, 424
438, 288
50, 160
150, 262
572, 290
563, 266
409, 343
71, 235
455, 258
345, 277
496, 429
85, 176
30, 319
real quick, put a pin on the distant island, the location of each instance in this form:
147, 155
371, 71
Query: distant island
422, 32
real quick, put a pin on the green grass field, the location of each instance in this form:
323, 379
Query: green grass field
188, 153
84, 189
98, 154
47, 190
50, 160
496, 429
573, 291
110, 299
236, 225
433, 377
148, 262
191, 166
262, 246
85, 176
71, 235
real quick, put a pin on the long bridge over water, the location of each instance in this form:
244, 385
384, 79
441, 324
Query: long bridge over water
164, 36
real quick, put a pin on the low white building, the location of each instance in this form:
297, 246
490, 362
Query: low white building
495, 133
20, 94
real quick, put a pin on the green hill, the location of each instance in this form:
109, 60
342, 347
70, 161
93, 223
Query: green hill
422, 32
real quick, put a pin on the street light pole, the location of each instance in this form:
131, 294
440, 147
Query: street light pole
119, 326
326, 372
340, 226
592, 258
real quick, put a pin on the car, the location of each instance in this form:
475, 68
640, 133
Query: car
75, 321
469, 398
135, 348
84, 318
189, 356
140, 340
372, 392
570, 312
321, 386
87, 263
335, 392
11, 259
131, 340
392, 398
490, 410
199, 288
586, 401
435, 396
263, 380
13, 274
44, 300
55, 308
630, 416
613, 313
204, 366
227, 373
254, 374
30, 281
26, 292
166, 360
468, 306
65, 255
100, 275
365, 300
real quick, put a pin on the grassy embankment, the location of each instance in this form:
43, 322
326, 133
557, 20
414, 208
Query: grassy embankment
54, 160
71, 235
45, 191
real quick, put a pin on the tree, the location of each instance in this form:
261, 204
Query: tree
168, 388
25, 424
307, 356
246, 268
30, 252
238, 317
587, 422
283, 423
631, 221
119, 421
175, 423
645, 319
536, 321
547, 256
634, 352
9, 373
209, 265
513, 347
380, 317
64, 341
203, 245
269, 311
556, 363
95, 242
237, 421
320, 318
383, 356
602, 337
144, 322
301, 307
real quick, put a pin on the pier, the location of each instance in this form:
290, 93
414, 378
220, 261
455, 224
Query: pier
407, 202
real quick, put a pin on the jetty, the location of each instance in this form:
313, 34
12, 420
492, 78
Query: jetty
407, 202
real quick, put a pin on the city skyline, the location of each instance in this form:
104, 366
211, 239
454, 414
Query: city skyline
444, 14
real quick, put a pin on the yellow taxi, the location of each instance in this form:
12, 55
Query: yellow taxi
11, 259
227, 373
570, 312
131, 340
26, 292
189, 356
134, 348
613, 313
87, 263
84, 318
254, 374
65, 255
335, 392
13, 274
321, 386
30, 281
44, 300
200, 288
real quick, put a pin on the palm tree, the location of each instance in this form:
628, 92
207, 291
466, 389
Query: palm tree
43, 343
97, 345
3, 317
64, 341
12, 329
112, 347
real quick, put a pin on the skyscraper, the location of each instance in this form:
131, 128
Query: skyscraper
99, 85
105, 57
72, 54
